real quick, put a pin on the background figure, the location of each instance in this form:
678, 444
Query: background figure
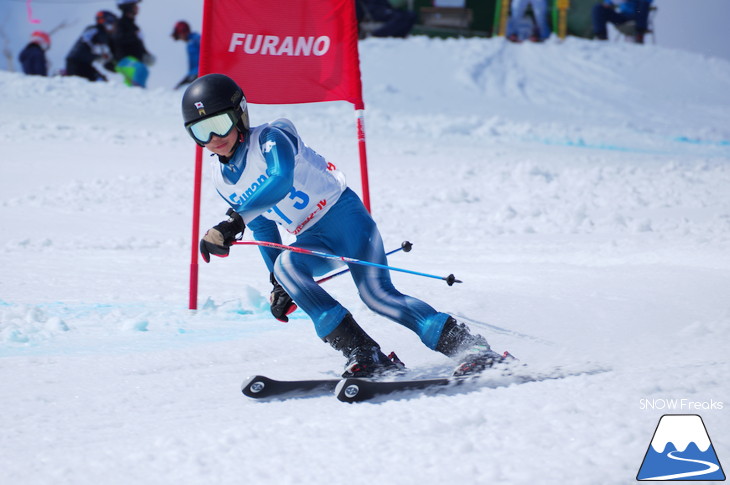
181, 31
130, 53
540, 31
33, 55
396, 22
637, 10
93, 45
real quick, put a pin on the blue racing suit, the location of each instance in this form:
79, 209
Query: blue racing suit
193, 50
273, 179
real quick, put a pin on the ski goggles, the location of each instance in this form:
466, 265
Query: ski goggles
220, 125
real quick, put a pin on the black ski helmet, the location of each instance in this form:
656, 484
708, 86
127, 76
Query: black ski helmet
212, 94
128, 6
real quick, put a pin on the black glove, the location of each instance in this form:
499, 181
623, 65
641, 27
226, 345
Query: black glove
219, 238
281, 303
110, 66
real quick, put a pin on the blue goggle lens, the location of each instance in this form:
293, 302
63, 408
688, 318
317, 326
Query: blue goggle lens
219, 125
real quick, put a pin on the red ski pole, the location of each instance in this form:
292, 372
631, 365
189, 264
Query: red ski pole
450, 279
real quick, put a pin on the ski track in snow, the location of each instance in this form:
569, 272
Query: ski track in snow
579, 189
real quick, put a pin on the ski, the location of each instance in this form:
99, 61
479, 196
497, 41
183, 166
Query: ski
262, 387
356, 390
352, 390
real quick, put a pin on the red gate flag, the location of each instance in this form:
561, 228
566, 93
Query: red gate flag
281, 52
284, 51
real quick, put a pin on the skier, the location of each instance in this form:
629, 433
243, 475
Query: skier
33, 56
269, 176
130, 52
93, 45
182, 32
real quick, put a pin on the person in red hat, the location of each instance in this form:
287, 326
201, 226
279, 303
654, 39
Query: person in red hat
33, 56
182, 32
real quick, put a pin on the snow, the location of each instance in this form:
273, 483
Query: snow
579, 189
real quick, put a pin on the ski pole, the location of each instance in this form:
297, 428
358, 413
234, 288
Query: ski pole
405, 246
450, 280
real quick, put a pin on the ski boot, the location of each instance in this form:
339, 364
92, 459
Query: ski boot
471, 351
364, 357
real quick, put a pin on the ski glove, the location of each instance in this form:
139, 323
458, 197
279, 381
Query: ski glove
281, 303
219, 238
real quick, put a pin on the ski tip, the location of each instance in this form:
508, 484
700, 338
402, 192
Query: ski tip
349, 390
255, 386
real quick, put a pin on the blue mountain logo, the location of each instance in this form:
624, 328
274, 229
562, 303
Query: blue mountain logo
681, 450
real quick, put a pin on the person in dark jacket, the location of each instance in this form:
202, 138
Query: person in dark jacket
395, 22
33, 56
93, 45
618, 12
130, 53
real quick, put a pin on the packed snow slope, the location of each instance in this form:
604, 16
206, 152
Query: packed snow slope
579, 189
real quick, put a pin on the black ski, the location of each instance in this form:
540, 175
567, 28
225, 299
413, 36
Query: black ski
262, 387
355, 390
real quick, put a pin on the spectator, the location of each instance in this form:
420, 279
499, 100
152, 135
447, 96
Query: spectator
395, 22
182, 32
93, 45
541, 29
130, 53
33, 55
636, 10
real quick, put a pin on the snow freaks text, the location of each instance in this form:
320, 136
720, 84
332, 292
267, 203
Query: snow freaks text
679, 404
